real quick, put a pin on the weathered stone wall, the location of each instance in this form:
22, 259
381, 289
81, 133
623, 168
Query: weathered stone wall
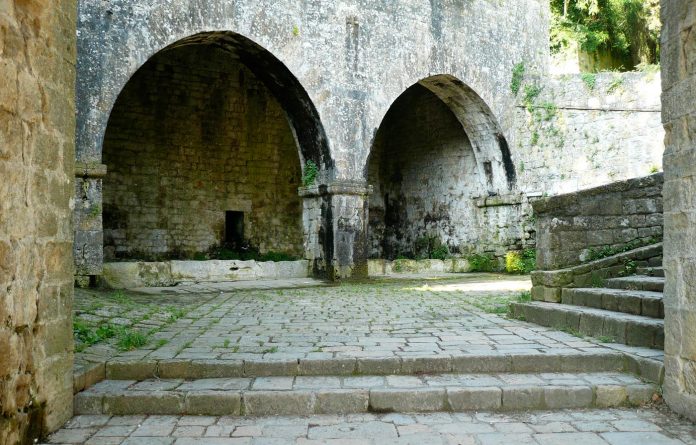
195, 134
37, 124
423, 173
679, 115
610, 216
574, 137
335, 68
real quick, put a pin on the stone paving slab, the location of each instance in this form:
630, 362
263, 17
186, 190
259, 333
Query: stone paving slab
645, 426
341, 395
381, 326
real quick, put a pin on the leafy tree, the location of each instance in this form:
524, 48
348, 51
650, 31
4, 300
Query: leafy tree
627, 29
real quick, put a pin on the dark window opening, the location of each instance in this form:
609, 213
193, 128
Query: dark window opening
234, 229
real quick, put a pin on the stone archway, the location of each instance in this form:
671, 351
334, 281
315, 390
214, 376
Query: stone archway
210, 134
438, 148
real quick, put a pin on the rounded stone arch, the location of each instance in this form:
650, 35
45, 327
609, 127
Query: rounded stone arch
221, 129
481, 126
299, 108
479, 122
437, 150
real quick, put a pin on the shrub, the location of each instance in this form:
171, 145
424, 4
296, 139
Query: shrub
482, 263
520, 262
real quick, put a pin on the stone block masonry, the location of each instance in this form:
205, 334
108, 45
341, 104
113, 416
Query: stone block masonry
37, 156
570, 226
679, 116
193, 135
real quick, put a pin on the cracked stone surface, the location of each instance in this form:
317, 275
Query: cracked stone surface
645, 426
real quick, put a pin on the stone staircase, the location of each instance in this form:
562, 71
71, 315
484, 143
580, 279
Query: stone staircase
626, 310
422, 384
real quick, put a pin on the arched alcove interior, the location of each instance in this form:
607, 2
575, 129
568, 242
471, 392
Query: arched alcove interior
437, 148
204, 149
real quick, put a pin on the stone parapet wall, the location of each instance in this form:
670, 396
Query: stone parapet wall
547, 285
37, 156
606, 218
679, 115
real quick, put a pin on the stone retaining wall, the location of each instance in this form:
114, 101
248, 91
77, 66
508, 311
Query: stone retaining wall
606, 217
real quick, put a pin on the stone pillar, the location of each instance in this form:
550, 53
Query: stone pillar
37, 157
335, 228
88, 248
679, 117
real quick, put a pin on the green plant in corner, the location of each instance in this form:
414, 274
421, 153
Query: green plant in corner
310, 173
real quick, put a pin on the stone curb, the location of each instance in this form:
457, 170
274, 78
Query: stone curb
347, 401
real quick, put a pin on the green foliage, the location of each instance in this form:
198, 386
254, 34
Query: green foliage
431, 247
482, 263
524, 297
606, 339
549, 110
250, 254
520, 262
130, 339
531, 92
535, 138
517, 78
310, 173
590, 80
654, 169
629, 30
615, 84
607, 251
630, 267
296, 31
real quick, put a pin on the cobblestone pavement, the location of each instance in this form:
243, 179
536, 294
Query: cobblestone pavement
378, 318
646, 426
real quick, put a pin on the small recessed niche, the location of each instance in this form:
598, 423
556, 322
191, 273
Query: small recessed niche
234, 228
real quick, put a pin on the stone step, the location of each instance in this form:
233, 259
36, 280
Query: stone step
652, 271
563, 361
636, 302
637, 282
634, 330
265, 396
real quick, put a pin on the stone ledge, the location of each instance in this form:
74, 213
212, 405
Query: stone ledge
497, 201
90, 170
124, 275
545, 205
387, 267
336, 188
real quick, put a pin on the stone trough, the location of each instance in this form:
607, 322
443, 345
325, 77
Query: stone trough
124, 275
